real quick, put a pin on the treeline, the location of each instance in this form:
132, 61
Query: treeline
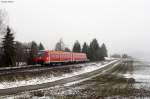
14, 53
94, 51
121, 56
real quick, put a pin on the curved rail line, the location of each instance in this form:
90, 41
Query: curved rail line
97, 72
32, 68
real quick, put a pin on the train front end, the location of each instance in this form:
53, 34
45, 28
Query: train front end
41, 57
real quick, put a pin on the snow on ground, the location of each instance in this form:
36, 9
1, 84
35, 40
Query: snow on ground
138, 77
140, 74
72, 83
141, 71
51, 78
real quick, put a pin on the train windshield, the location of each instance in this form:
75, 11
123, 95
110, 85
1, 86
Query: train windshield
41, 54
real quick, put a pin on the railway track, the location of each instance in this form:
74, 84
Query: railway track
17, 69
34, 68
61, 81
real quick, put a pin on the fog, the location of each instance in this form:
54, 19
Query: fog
123, 25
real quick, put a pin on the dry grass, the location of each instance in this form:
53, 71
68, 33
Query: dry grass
111, 85
107, 86
31, 75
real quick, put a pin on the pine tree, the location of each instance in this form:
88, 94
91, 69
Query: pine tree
76, 47
104, 50
94, 50
85, 48
100, 55
41, 47
9, 57
33, 52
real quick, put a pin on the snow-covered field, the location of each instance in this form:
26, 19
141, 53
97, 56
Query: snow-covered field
140, 74
95, 87
51, 78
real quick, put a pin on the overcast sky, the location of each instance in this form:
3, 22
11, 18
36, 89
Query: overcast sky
123, 25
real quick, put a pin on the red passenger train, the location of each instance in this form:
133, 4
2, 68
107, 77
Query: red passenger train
51, 57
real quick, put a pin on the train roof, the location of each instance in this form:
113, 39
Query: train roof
54, 51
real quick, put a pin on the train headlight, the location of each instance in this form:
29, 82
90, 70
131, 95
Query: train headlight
47, 58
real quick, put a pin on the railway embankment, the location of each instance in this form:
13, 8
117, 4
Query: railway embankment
90, 72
